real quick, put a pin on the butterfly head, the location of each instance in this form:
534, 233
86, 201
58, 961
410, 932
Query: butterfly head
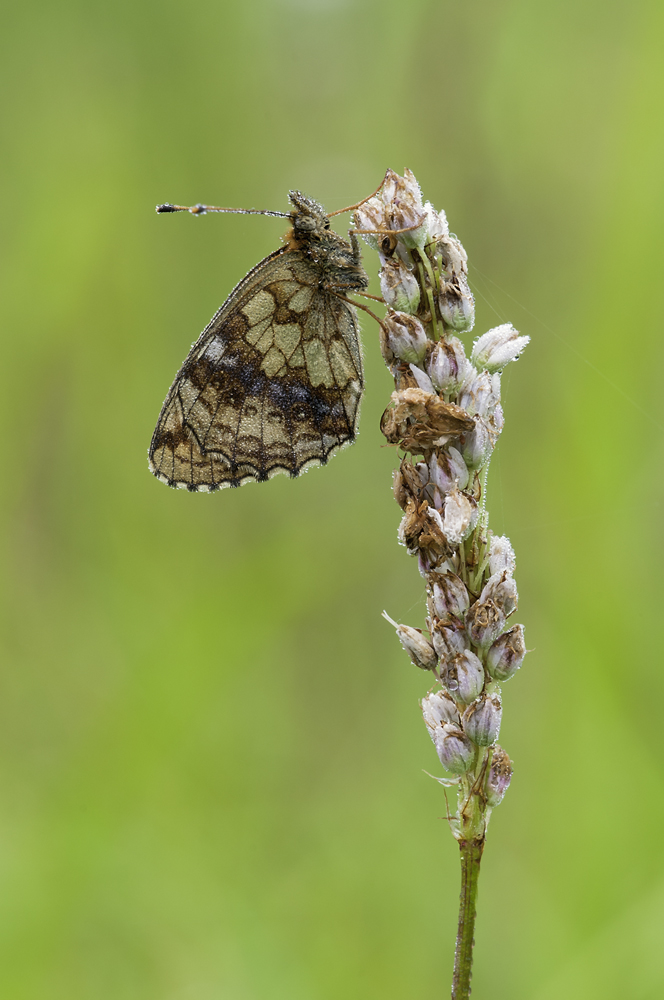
308, 216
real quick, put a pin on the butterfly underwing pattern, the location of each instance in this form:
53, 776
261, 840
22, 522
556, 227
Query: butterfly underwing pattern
273, 384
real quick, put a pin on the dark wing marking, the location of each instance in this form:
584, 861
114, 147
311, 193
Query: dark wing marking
272, 385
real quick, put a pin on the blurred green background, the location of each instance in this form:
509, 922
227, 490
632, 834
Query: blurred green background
211, 748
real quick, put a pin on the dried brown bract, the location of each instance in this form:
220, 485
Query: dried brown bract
421, 529
420, 421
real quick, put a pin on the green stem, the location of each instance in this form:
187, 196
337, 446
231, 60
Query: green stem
424, 265
471, 855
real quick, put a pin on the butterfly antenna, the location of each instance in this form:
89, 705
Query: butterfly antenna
204, 209
351, 208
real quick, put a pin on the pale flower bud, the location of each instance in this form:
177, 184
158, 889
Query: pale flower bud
498, 777
436, 222
437, 709
423, 472
405, 336
450, 597
481, 720
404, 190
478, 397
399, 286
501, 589
400, 202
463, 676
454, 258
448, 367
477, 445
372, 215
459, 516
447, 469
457, 305
455, 751
422, 379
420, 651
497, 422
449, 642
493, 350
501, 554
455, 300
505, 655
407, 210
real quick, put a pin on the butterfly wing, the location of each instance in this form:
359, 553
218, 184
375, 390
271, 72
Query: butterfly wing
273, 383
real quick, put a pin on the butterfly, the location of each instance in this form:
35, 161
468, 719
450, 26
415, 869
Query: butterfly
273, 384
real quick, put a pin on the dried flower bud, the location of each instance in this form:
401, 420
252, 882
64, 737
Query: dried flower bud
501, 589
505, 655
422, 528
501, 554
481, 720
498, 777
477, 445
432, 562
405, 336
448, 366
484, 621
437, 709
447, 469
372, 215
450, 596
502, 344
459, 516
463, 676
449, 642
420, 421
399, 286
420, 651
407, 484
455, 751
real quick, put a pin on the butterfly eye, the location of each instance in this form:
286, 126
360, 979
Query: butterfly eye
327, 224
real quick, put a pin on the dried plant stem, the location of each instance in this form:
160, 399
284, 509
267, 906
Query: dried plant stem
471, 856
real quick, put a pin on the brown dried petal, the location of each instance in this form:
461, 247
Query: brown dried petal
421, 528
407, 484
419, 420
485, 621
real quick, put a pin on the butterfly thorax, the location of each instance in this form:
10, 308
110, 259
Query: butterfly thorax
338, 261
